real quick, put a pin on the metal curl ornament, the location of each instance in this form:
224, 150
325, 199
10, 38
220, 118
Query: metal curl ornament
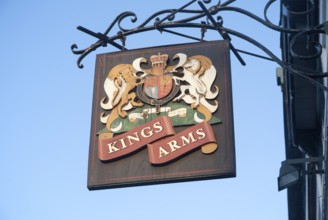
313, 48
126, 15
273, 26
85, 52
74, 50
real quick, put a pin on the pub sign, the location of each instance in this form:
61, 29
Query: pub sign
162, 115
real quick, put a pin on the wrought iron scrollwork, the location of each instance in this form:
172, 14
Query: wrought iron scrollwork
165, 21
153, 22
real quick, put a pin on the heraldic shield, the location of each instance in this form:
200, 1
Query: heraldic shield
162, 115
158, 87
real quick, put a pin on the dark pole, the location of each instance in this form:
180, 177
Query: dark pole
303, 105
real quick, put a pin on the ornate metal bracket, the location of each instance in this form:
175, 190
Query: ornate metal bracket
164, 21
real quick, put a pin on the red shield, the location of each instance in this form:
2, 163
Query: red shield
158, 87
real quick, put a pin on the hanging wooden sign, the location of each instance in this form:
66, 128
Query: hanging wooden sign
162, 115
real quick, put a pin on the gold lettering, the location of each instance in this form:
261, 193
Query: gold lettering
136, 138
112, 148
162, 152
148, 134
173, 145
158, 127
188, 140
201, 133
123, 143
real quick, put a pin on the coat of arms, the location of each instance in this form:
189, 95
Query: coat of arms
142, 106
162, 114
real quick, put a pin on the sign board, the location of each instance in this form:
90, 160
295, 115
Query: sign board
162, 115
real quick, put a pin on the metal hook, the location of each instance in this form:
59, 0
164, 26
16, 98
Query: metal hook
203, 30
122, 38
156, 25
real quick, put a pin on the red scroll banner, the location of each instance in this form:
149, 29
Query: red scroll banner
173, 147
150, 133
115, 147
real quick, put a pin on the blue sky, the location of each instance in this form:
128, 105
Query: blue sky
46, 116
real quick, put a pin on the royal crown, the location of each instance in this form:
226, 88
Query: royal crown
158, 63
159, 59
